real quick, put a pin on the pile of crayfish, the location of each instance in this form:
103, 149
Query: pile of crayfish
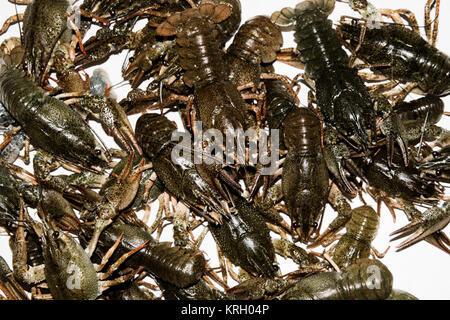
210, 141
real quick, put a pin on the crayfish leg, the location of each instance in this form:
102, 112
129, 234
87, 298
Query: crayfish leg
22, 271
100, 225
432, 32
8, 285
10, 21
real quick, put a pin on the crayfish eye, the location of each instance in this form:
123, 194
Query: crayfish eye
98, 152
434, 154
275, 267
60, 52
438, 172
131, 59
55, 235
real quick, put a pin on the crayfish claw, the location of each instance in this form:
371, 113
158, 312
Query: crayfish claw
337, 158
100, 225
393, 129
404, 149
406, 230
325, 239
343, 179
427, 227
440, 240
353, 169
390, 150
402, 143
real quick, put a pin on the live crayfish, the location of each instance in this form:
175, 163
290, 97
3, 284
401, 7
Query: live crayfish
405, 182
148, 56
46, 27
344, 100
303, 161
69, 272
256, 42
35, 262
244, 239
181, 179
356, 242
176, 265
406, 55
55, 128
217, 101
305, 176
365, 280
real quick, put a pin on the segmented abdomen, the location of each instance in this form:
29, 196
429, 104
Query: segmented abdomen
279, 102
200, 52
417, 110
318, 44
355, 243
365, 280
363, 224
258, 39
153, 133
179, 266
229, 26
301, 131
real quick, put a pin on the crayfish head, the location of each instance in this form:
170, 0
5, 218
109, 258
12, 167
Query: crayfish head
306, 229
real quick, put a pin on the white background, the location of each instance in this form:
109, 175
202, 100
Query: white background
422, 269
